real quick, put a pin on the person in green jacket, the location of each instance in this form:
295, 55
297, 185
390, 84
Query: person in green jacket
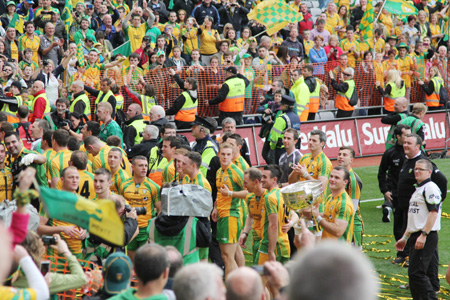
109, 126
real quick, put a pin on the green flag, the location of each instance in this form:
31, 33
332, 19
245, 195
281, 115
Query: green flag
400, 8
17, 22
366, 25
99, 217
274, 14
124, 49
80, 55
66, 16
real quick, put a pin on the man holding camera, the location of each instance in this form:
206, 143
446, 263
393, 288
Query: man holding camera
72, 234
60, 117
140, 192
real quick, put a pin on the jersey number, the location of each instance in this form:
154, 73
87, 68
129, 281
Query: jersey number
122, 165
85, 190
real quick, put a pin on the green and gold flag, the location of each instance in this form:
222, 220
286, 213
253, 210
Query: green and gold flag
80, 55
400, 8
99, 217
66, 16
17, 22
366, 25
274, 14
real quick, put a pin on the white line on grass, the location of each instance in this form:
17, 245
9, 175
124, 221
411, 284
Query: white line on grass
379, 199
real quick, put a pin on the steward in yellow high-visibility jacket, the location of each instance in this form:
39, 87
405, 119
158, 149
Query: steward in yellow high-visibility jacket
185, 106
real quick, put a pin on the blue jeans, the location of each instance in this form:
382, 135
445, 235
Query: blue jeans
323, 3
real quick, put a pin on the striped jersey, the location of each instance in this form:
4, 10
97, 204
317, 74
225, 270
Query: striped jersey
85, 187
117, 179
59, 162
101, 160
6, 184
255, 207
316, 166
353, 189
339, 207
169, 172
139, 195
233, 177
241, 163
199, 179
49, 154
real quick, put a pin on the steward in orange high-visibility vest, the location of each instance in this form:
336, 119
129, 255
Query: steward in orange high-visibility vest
432, 89
395, 88
185, 106
231, 96
347, 97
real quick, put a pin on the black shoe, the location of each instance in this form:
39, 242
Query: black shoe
387, 214
399, 260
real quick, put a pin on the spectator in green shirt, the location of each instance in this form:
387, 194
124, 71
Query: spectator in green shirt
109, 126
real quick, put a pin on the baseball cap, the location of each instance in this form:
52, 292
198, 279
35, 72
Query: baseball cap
287, 100
246, 55
91, 37
232, 70
160, 52
205, 122
11, 3
30, 1
117, 273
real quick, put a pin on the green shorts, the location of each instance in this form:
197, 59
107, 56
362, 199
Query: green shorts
283, 259
255, 247
140, 240
228, 230
357, 238
203, 253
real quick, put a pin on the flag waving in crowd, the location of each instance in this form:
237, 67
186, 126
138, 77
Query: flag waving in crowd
366, 26
274, 14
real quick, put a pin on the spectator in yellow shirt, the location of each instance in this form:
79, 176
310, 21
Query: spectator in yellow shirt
350, 46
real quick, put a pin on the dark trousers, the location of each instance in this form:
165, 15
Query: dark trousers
183, 125
237, 116
214, 251
344, 113
419, 262
400, 223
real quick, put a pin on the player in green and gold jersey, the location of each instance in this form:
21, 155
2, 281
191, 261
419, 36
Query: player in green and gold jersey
118, 174
60, 160
6, 179
140, 191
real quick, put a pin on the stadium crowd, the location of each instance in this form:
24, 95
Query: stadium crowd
88, 95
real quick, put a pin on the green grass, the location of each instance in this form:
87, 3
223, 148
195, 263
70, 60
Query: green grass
378, 241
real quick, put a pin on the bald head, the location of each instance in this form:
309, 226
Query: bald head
157, 112
244, 284
400, 104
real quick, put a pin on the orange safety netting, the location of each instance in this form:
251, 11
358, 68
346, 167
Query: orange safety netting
210, 79
93, 273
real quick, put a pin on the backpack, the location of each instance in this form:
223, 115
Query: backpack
354, 98
443, 96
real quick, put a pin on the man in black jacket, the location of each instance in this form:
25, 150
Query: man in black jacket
400, 113
390, 165
149, 140
231, 96
406, 187
232, 12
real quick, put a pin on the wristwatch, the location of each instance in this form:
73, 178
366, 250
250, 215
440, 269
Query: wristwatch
424, 233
